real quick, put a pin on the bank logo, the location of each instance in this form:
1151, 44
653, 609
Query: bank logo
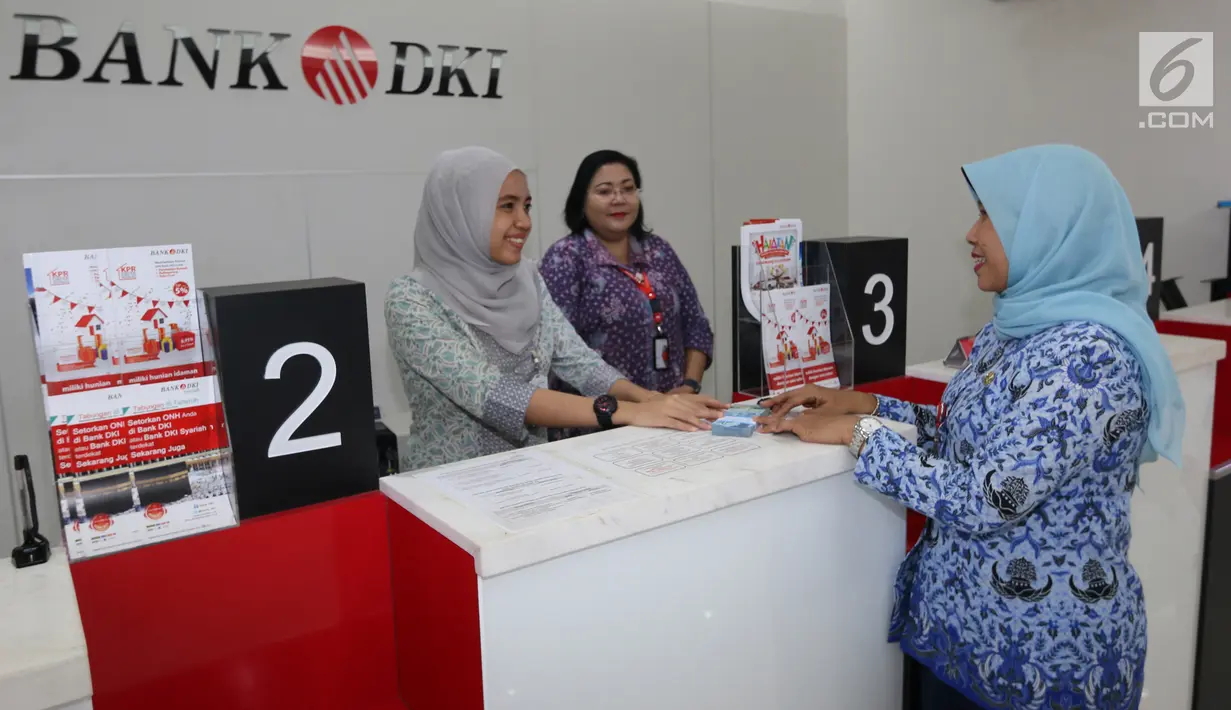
1176, 73
340, 65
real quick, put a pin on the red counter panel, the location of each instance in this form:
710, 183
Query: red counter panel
292, 610
1220, 446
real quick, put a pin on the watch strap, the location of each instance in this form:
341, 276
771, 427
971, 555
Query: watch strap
691, 384
604, 407
864, 429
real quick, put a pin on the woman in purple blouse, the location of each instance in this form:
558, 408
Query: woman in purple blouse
623, 288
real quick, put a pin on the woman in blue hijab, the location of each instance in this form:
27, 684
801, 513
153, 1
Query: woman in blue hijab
1020, 593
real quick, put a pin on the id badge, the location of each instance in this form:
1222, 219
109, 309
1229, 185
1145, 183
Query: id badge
660, 353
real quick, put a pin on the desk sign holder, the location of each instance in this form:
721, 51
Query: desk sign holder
960, 354
296, 380
137, 443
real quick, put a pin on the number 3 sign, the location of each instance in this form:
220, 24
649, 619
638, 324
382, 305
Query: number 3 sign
296, 381
871, 273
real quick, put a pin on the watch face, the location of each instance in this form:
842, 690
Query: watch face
605, 404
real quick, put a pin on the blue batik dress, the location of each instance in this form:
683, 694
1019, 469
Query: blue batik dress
1020, 593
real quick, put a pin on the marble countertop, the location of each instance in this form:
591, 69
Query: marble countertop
43, 661
772, 463
1213, 313
1186, 353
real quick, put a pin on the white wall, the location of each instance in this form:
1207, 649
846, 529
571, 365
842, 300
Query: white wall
936, 84
282, 185
779, 147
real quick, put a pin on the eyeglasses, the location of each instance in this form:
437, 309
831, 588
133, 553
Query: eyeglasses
607, 192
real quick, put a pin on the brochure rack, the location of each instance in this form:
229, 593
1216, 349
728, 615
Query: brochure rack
138, 449
750, 372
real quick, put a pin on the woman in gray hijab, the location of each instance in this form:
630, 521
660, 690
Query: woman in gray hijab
475, 332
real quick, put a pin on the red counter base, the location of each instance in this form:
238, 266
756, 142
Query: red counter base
292, 610
436, 603
1220, 445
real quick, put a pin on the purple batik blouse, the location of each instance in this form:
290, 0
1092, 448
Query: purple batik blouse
614, 317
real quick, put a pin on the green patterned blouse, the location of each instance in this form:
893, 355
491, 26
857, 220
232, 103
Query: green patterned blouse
468, 396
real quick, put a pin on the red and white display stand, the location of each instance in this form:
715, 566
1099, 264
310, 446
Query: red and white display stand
643, 569
1168, 525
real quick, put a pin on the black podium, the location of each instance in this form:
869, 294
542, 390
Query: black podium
296, 381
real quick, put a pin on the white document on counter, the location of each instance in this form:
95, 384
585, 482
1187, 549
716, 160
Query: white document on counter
656, 454
526, 488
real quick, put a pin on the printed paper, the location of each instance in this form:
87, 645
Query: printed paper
526, 488
770, 259
795, 338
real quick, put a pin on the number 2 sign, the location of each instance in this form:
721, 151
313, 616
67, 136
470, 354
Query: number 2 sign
296, 382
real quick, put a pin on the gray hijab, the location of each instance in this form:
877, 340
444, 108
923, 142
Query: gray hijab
453, 248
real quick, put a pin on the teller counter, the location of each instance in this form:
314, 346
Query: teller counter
646, 569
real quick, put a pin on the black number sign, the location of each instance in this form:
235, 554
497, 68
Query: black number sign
296, 382
1150, 231
871, 273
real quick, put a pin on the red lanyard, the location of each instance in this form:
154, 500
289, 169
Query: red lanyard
642, 279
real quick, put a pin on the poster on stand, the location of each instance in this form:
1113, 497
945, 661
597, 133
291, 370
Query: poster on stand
771, 259
138, 440
796, 340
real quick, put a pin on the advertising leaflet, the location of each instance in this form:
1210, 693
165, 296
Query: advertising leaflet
770, 259
795, 338
137, 434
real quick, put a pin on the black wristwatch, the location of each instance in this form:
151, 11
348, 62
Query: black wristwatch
692, 384
605, 406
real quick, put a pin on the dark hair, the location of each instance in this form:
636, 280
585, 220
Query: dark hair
575, 205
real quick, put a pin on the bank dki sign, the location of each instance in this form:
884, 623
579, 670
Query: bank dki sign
338, 63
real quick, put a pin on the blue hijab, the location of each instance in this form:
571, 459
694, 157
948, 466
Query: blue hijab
1074, 255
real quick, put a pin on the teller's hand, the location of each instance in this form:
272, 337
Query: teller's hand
813, 427
685, 412
822, 400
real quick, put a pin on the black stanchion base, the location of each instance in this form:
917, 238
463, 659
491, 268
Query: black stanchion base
34, 551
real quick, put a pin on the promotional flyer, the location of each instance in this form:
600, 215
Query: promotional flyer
796, 340
137, 434
771, 259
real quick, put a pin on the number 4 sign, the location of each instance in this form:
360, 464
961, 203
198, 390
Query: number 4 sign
1150, 232
296, 380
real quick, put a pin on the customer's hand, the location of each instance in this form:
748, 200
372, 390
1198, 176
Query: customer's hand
682, 389
685, 412
823, 400
814, 427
